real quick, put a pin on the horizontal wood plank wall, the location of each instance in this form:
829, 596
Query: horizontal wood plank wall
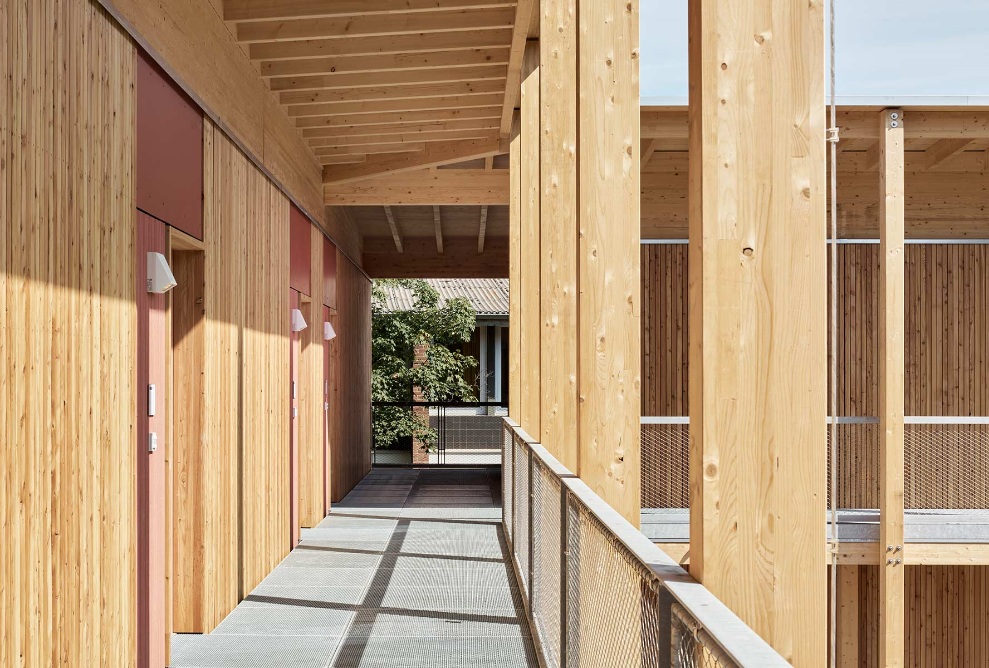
68, 337
351, 443
310, 445
947, 616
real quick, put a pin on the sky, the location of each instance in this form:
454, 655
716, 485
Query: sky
902, 48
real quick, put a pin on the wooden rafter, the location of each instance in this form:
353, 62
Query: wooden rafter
267, 10
371, 46
394, 229
388, 78
387, 62
438, 229
370, 149
943, 150
872, 157
520, 33
342, 159
482, 228
420, 137
424, 188
402, 117
465, 89
649, 150
436, 154
370, 25
383, 131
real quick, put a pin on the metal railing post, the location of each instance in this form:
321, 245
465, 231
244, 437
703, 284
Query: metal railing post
564, 572
532, 543
665, 603
515, 519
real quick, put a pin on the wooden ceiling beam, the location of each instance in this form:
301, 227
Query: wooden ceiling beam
398, 92
394, 229
401, 117
389, 62
482, 228
371, 25
370, 149
371, 46
268, 10
943, 150
424, 188
437, 154
438, 229
440, 75
341, 159
513, 85
389, 140
404, 132
319, 115
648, 151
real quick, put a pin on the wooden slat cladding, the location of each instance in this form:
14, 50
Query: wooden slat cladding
311, 442
664, 329
68, 337
351, 412
946, 616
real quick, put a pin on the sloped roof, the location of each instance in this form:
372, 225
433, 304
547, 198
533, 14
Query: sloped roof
489, 296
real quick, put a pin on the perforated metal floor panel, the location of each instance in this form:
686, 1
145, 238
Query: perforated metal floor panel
409, 571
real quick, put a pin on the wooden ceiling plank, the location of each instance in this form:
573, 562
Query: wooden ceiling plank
397, 117
438, 229
424, 188
943, 150
424, 137
329, 112
394, 229
341, 159
404, 132
520, 33
339, 65
350, 81
402, 92
370, 149
268, 10
440, 153
482, 228
371, 25
371, 46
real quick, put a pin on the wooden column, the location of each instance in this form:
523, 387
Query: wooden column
848, 617
608, 307
757, 313
891, 387
529, 322
515, 271
558, 202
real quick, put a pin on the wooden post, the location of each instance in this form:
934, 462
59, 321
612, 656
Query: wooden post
848, 616
757, 292
558, 202
609, 360
515, 271
529, 322
891, 387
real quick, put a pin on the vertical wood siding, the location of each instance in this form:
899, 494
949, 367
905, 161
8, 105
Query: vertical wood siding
68, 337
311, 441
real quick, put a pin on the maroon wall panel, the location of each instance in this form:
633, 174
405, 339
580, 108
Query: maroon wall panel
301, 252
169, 150
151, 349
329, 274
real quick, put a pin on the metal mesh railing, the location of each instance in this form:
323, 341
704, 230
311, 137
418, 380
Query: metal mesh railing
507, 480
599, 594
665, 462
424, 433
946, 463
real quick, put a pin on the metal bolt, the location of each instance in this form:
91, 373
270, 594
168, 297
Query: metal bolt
899, 547
889, 562
894, 124
889, 548
899, 561
894, 115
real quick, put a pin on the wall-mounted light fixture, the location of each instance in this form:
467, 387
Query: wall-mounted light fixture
298, 322
328, 331
160, 277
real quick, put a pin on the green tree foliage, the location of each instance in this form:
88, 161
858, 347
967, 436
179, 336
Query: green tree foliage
440, 328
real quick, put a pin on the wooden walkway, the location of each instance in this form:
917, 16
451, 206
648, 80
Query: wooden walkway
410, 570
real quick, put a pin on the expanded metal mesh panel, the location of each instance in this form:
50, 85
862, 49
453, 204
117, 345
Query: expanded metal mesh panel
613, 618
946, 466
857, 465
521, 538
665, 466
546, 570
507, 481
692, 646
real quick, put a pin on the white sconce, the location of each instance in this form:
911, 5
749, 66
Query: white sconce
298, 322
328, 331
160, 277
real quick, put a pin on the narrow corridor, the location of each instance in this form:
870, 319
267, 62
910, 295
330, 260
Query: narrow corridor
409, 571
